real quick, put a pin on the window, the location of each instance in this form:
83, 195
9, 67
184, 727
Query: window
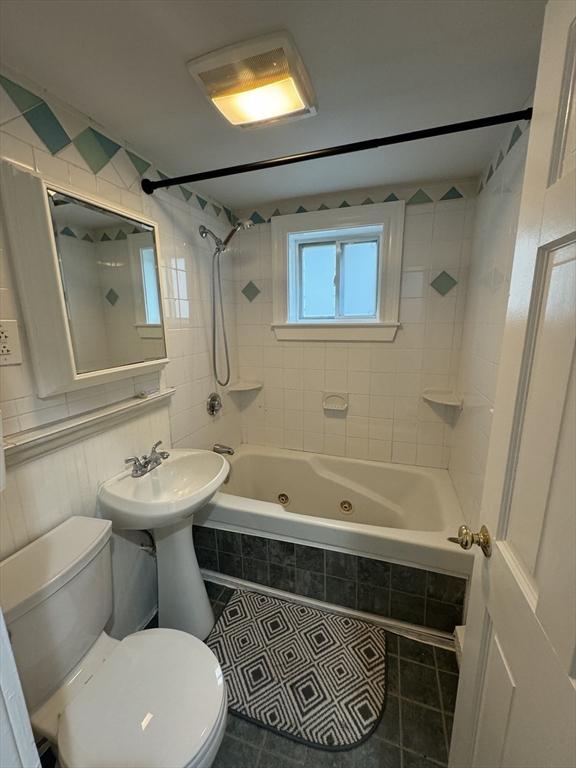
337, 273
150, 284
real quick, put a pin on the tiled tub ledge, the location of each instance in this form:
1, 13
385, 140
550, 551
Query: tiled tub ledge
403, 593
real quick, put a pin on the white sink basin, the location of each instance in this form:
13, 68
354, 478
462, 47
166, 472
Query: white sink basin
168, 494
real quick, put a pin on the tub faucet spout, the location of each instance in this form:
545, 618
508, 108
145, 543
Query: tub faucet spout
223, 449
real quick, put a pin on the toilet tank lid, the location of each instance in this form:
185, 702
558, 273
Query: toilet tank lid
38, 570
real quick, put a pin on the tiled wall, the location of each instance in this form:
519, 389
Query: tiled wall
387, 418
43, 492
400, 592
104, 168
493, 239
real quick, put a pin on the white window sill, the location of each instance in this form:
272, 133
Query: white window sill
335, 331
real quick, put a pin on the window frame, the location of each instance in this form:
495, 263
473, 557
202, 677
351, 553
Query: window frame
384, 222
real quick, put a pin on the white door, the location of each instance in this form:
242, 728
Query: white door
516, 702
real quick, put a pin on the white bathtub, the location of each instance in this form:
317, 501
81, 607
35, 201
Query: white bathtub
399, 513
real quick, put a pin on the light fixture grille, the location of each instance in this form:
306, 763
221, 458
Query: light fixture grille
246, 74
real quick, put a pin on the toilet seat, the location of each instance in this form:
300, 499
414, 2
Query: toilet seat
159, 701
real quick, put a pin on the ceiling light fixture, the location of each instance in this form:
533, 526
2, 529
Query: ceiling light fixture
259, 82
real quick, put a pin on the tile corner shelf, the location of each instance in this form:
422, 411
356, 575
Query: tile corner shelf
442, 397
244, 386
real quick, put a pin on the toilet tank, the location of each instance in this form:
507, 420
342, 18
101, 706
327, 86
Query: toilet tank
56, 596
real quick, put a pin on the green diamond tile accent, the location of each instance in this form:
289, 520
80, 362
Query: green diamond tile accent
203, 203
121, 236
217, 210
47, 127
344, 204
186, 193
500, 159
68, 232
452, 194
301, 209
250, 290
419, 197
391, 198
112, 296
490, 174
256, 218
368, 201
23, 99
139, 163
516, 133
87, 238
322, 208
105, 238
443, 283
96, 149
229, 214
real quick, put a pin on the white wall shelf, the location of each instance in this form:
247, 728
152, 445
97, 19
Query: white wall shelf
23, 446
244, 386
442, 397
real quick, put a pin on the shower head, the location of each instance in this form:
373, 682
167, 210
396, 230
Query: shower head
221, 244
246, 224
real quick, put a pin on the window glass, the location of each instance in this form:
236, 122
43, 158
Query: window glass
359, 279
151, 298
317, 280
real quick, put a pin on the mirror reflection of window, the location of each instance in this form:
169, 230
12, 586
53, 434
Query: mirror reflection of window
109, 270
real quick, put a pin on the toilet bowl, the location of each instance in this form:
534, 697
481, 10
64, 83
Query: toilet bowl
155, 699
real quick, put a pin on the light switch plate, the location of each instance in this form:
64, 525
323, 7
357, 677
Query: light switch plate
10, 351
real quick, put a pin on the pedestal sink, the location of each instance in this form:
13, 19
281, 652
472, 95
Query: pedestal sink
164, 501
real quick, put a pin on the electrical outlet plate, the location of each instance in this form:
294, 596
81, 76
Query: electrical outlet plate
10, 351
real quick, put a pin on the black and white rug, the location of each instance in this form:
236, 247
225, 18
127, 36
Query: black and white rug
313, 676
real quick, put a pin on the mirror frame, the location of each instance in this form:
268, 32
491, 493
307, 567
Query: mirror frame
35, 262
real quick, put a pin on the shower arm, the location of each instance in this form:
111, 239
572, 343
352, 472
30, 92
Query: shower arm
149, 186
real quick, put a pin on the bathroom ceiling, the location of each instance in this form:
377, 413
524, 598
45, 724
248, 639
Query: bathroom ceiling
379, 67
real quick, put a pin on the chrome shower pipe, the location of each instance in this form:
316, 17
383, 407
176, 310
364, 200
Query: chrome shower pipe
216, 295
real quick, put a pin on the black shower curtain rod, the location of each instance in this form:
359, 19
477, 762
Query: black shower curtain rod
342, 149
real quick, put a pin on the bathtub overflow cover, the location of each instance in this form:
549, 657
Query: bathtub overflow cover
346, 507
283, 498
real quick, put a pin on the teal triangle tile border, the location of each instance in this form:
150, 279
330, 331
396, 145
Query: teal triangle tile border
68, 232
121, 236
186, 194
516, 133
256, 218
301, 209
138, 162
368, 201
322, 208
22, 98
344, 204
88, 238
203, 203
217, 210
419, 197
47, 127
105, 238
452, 194
391, 198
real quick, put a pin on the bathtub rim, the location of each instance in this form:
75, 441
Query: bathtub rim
447, 499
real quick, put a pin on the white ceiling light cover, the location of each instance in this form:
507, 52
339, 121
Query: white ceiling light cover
258, 82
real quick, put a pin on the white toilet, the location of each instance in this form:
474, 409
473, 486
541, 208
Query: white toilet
156, 699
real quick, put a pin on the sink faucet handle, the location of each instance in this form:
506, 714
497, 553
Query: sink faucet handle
162, 454
133, 460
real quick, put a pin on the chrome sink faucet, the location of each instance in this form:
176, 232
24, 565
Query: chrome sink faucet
141, 466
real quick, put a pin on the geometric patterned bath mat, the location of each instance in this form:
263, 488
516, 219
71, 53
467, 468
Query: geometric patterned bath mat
313, 676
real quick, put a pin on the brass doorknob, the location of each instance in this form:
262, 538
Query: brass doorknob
466, 538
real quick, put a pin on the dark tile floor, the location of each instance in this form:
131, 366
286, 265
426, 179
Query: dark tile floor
413, 733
